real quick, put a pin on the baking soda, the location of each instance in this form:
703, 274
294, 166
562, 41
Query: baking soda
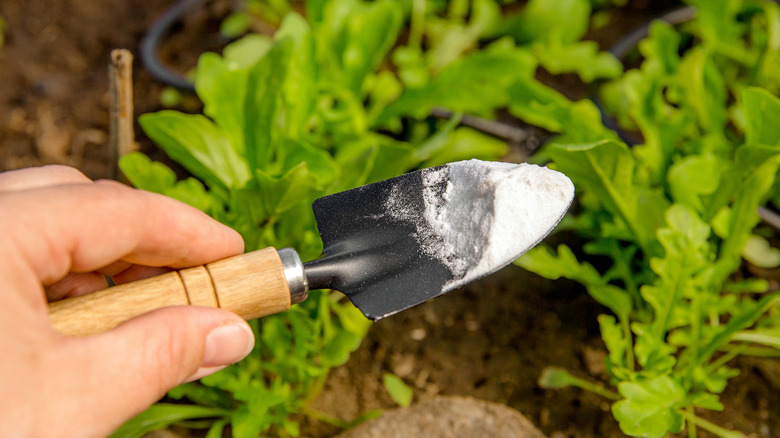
480, 216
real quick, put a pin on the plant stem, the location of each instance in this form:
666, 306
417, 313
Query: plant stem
723, 360
691, 424
710, 427
593, 387
630, 341
417, 23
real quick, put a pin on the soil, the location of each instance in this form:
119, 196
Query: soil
490, 340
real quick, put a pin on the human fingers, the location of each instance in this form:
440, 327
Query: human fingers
75, 284
34, 177
127, 369
98, 224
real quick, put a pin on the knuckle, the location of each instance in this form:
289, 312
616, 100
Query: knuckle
66, 174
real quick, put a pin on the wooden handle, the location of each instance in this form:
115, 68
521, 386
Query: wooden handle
251, 285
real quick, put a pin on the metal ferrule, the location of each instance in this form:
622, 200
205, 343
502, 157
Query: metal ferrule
294, 274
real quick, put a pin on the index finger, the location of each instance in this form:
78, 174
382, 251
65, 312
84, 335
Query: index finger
84, 227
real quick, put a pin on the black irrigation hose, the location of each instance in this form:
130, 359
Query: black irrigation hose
155, 35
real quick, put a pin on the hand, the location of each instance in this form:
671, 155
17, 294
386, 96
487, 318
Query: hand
61, 233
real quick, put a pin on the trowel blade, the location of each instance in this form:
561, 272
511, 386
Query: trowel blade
396, 243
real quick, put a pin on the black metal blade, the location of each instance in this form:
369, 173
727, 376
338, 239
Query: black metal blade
397, 243
371, 255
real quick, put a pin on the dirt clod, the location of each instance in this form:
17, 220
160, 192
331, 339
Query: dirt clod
448, 417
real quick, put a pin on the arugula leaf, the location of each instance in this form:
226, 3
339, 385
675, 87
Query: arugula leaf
649, 407
606, 169
686, 251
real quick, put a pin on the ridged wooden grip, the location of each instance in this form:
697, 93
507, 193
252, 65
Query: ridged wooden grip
251, 285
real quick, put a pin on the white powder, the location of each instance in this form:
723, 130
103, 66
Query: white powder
480, 216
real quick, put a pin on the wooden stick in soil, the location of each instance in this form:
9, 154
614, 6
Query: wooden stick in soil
121, 135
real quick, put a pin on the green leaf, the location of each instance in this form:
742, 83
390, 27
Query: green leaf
761, 109
465, 144
222, 90
475, 84
649, 407
302, 75
660, 49
686, 252
337, 350
244, 53
162, 415
542, 261
277, 195
582, 58
371, 31
695, 176
262, 103
540, 105
606, 170
769, 336
615, 298
235, 25
759, 252
704, 89
399, 391
170, 97
565, 21
744, 215
197, 144
740, 321
146, 174
215, 431
616, 342
448, 39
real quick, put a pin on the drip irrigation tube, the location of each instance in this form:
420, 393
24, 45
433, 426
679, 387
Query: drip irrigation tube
154, 37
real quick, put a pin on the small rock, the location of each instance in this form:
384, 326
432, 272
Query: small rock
403, 366
448, 417
418, 334
594, 361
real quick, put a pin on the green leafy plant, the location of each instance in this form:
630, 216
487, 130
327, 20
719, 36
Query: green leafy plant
337, 99
675, 215
287, 120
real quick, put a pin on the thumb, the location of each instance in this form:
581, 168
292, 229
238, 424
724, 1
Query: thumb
127, 369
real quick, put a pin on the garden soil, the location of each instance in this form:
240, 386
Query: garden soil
489, 340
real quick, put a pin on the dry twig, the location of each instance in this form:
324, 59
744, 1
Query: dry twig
121, 135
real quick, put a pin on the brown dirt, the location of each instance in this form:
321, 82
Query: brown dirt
489, 341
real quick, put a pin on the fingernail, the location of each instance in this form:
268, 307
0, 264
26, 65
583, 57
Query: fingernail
227, 344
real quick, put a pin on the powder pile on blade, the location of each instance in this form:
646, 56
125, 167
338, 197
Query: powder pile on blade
480, 216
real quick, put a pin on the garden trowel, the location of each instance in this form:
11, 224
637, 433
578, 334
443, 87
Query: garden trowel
387, 246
